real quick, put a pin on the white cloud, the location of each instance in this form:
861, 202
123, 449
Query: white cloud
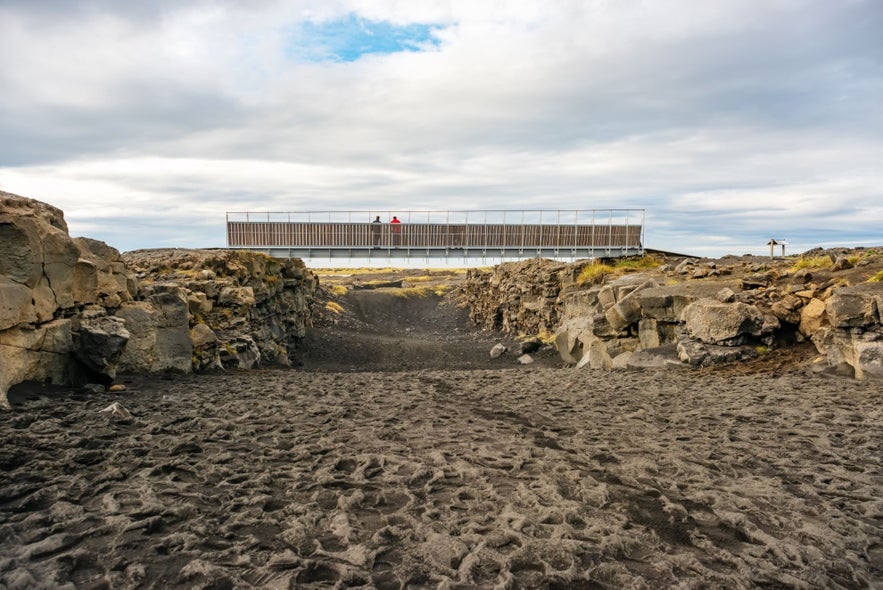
725, 120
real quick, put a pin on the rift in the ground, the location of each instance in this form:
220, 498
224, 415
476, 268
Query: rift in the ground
386, 465
392, 330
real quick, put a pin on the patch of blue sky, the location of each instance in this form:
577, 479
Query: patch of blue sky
349, 38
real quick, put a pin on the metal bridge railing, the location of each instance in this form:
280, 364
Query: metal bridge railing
588, 232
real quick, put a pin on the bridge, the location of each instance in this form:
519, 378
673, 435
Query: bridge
591, 233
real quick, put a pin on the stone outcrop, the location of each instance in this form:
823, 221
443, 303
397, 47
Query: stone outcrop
56, 296
214, 309
848, 329
501, 299
74, 311
689, 312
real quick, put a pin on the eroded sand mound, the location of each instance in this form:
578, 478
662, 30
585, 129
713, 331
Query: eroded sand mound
532, 478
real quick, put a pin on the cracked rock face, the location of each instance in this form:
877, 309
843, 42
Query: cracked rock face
47, 279
72, 310
224, 309
643, 319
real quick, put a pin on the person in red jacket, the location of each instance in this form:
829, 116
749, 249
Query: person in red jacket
396, 231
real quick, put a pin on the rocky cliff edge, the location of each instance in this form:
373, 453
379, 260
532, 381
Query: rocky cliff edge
74, 311
662, 310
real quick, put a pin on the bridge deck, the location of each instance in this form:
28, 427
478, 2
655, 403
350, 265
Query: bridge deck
478, 237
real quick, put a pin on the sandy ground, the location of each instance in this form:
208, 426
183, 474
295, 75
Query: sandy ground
399, 455
521, 478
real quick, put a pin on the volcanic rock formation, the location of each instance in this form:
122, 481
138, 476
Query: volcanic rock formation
74, 311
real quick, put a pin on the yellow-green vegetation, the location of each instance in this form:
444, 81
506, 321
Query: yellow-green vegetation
376, 283
421, 291
877, 278
597, 272
334, 307
420, 279
345, 272
546, 337
337, 290
639, 263
811, 263
762, 349
594, 273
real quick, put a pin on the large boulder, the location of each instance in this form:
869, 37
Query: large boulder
35, 255
241, 352
569, 338
206, 348
98, 343
861, 351
813, 318
859, 306
869, 359
654, 333
596, 355
160, 331
788, 309
667, 303
114, 283
627, 310
713, 322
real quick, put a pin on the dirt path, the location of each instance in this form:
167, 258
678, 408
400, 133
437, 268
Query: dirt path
384, 330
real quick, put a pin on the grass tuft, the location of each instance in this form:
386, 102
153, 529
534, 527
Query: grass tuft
877, 278
594, 273
815, 262
640, 263
421, 291
334, 307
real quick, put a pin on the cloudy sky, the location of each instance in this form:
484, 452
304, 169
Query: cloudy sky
728, 121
